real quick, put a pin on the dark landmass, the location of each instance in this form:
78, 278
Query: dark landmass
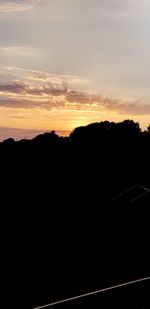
67, 228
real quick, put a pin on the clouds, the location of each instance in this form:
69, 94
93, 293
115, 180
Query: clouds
17, 5
29, 89
19, 54
22, 88
96, 50
101, 40
11, 88
17, 51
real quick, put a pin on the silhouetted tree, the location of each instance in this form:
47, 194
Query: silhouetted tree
148, 129
9, 141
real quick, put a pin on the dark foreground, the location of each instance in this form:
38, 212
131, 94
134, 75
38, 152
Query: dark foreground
61, 233
133, 296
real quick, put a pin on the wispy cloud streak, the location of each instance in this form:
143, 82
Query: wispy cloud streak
21, 88
17, 6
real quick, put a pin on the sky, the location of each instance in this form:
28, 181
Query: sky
67, 63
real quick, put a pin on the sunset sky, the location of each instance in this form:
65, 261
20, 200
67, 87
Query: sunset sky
67, 63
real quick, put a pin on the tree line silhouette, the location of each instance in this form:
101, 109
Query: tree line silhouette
59, 222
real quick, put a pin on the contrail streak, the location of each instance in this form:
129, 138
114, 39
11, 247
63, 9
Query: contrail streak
92, 293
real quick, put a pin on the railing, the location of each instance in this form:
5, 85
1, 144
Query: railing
87, 295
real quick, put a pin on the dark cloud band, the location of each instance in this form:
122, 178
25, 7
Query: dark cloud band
47, 91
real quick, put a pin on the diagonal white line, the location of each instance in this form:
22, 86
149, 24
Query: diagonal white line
92, 293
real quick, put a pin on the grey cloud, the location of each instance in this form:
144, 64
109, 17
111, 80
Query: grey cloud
13, 88
61, 98
22, 88
130, 108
